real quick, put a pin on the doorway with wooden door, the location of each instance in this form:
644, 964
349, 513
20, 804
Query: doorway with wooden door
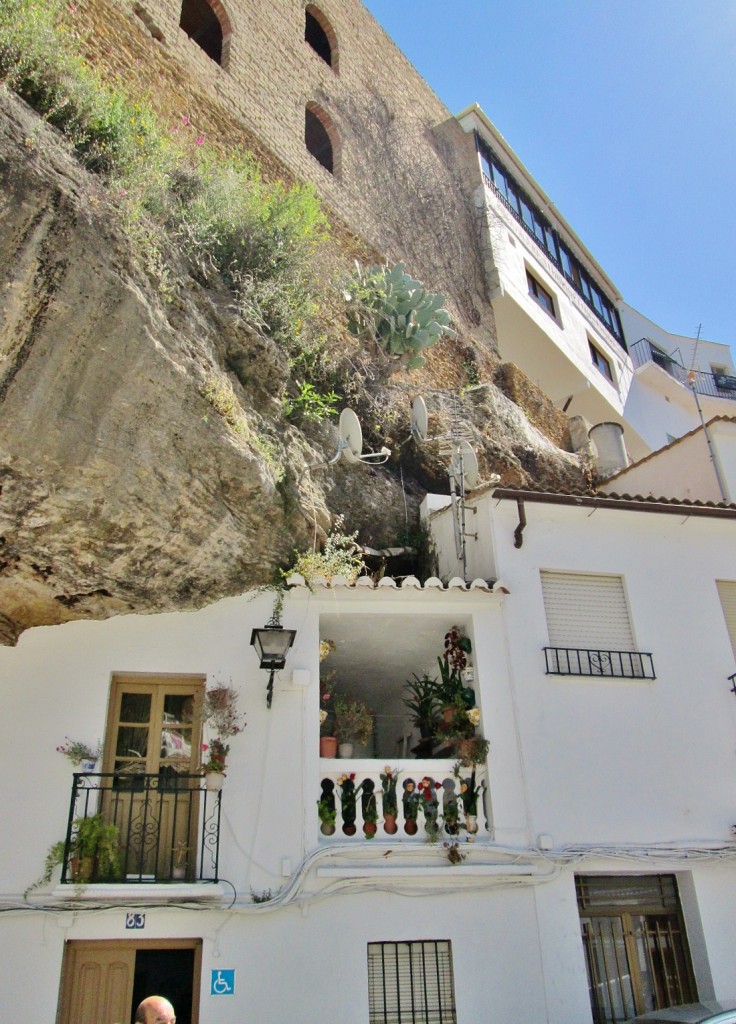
151, 782
104, 981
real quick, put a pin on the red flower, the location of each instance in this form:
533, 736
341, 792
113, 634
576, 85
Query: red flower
438, 785
352, 776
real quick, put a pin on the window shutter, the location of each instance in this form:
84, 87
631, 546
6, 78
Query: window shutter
727, 594
587, 611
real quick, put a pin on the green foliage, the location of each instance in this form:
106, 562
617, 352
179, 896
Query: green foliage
389, 305
423, 700
326, 811
310, 405
261, 237
92, 839
339, 557
353, 721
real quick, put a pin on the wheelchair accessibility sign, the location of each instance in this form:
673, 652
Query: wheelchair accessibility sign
222, 983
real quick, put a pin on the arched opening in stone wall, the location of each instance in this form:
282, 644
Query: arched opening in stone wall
207, 24
321, 138
320, 35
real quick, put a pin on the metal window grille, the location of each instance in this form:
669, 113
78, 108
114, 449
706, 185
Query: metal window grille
411, 983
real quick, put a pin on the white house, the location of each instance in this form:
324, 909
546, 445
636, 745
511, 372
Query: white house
600, 879
676, 380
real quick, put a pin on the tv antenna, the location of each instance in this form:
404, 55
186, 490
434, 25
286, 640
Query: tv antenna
462, 467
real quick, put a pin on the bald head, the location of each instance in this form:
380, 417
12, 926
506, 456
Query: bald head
155, 1010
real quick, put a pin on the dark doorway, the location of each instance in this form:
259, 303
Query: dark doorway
202, 25
168, 973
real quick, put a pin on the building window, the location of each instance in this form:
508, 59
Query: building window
589, 628
410, 983
207, 24
320, 137
635, 945
540, 294
320, 35
600, 361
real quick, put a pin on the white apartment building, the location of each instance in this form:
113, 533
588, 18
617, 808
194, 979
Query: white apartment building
556, 310
677, 381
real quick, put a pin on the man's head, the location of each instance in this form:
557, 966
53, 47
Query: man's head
155, 1010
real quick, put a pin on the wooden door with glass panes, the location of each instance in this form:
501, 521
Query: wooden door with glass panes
153, 743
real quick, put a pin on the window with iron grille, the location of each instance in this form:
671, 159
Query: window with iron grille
411, 983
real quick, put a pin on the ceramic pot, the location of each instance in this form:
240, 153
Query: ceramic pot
471, 824
327, 746
389, 824
369, 829
178, 873
349, 830
213, 781
410, 827
345, 750
327, 830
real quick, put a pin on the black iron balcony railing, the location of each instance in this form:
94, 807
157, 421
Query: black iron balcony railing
134, 827
577, 661
732, 681
716, 385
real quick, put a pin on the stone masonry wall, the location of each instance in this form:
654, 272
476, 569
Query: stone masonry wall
406, 170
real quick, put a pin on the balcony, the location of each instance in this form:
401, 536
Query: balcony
577, 661
437, 816
713, 385
156, 828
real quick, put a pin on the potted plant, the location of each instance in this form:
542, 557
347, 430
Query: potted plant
410, 803
353, 724
81, 754
348, 795
179, 860
327, 738
423, 701
470, 792
389, 802
94, 852
213, 768
370, 812
475, 752
327, 815
430, 805
452, 663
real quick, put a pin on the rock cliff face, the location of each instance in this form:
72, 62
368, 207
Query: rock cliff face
123, 488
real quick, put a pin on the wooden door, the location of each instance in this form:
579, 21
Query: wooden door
97, 985
153, 742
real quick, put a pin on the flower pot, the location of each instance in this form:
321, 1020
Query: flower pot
410, 827
448, 713
327, 746
88, 766
83, 869
213, 781
345, 750
464, 748
349, 830
327, 830
389, 824
178, 874
471, 824
369, 829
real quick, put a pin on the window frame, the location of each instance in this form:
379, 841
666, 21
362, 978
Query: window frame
543, 298
431, 1000
601, 362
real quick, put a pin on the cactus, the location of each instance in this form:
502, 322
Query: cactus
395, 309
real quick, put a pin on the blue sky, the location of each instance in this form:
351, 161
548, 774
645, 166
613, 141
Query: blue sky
623, 111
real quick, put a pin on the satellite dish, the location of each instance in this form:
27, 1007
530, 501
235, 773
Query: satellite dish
464, 465
351, 436
419, 419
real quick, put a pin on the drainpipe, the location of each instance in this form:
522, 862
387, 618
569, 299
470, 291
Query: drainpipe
518, 539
